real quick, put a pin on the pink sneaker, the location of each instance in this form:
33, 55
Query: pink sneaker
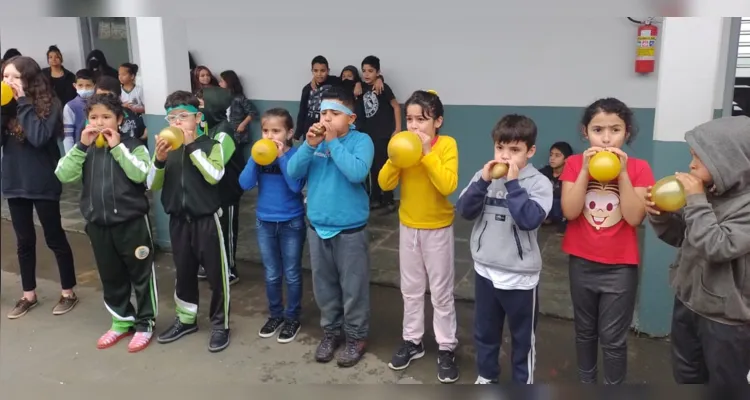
139, 342
110, 339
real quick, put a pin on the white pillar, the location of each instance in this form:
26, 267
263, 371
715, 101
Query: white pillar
164, 68
692, 71
163, 56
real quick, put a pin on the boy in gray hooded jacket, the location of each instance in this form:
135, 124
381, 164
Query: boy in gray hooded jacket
507, 213
711, 275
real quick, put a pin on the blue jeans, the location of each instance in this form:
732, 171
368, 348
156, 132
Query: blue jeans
281, 245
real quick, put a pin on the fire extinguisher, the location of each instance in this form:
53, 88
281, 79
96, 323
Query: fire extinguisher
644, 58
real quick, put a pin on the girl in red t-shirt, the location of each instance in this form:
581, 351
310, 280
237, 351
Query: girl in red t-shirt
602, 242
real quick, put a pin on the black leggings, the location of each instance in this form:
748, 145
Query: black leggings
48, 211
603, 303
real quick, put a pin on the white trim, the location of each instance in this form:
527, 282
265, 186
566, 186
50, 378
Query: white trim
143, 167
227, 296
153, 269
151, 176
531, 358
202, 159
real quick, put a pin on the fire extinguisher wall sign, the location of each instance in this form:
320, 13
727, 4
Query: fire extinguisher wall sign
644, 59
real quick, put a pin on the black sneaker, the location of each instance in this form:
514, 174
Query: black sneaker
407, 352
233, 277
176, 331
202, 273
327, 347
289, 331
219, 340
271, 327
447, 368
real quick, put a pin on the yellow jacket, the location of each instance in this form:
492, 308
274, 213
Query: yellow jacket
426, 186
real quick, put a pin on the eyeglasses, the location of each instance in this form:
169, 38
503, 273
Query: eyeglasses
179, 117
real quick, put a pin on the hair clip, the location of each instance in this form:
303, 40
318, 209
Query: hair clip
432, 92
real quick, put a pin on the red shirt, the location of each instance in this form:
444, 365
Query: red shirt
600, 233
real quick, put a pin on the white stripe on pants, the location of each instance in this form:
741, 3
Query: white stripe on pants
426, 256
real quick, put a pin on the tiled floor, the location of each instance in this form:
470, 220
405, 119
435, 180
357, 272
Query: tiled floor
554, 295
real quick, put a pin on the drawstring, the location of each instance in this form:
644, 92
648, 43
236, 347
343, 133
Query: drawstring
416, 232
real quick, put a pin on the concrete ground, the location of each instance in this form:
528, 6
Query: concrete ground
41, 348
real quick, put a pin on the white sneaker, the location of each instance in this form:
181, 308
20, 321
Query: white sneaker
484, 381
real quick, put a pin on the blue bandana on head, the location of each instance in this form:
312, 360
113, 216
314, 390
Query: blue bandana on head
335, 106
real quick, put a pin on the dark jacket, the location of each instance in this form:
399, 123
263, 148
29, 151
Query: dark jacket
114, 180
30, 159
97, 63
711, 275
215, 103
189, 179
63, 86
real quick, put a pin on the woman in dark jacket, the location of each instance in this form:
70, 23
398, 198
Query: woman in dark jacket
30, 156
97, 64
63, 81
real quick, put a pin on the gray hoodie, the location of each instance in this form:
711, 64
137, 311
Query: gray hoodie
711, 275
507, 216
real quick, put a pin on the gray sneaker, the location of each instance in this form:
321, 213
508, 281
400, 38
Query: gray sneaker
21, 308
65, 305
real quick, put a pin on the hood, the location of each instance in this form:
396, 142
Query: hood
216, 100
96, 59
723, 145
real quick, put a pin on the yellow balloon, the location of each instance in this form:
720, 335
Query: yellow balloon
264, 152
405, 149
100, 141
174, 136
6, 94
604, 166
668, 194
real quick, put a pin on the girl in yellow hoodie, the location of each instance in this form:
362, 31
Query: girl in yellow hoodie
426, 235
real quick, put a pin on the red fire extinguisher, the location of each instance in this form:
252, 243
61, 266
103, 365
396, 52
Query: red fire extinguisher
644, 58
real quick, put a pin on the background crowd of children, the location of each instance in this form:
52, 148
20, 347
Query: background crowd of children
344, 125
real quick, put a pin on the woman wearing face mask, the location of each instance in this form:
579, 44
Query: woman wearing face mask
63, 81
97, 64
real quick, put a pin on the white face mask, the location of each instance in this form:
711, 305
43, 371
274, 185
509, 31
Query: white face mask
85, 93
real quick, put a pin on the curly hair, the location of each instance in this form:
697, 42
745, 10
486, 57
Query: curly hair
36, 87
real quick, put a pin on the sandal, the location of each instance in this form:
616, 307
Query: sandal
110, 339
139, 342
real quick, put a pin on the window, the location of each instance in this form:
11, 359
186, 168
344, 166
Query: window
110, 35
743, 53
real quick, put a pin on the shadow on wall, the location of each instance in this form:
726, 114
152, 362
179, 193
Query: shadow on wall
472, 126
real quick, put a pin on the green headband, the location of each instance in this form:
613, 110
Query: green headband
188, 108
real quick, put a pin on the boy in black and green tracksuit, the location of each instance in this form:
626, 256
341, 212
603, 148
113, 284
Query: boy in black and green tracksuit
215, 103
115, 206
188, 178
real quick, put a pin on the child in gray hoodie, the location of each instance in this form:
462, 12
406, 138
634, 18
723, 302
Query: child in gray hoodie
711, 275
507, 213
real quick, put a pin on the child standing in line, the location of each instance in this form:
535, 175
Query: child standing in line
710, 333
74, 113
336, 164
132, 123
426, 251
558, 153
382, 119
188, 178
241, 112
602, 242
507, 213
281, 227
132, 94
117, 222
215, 103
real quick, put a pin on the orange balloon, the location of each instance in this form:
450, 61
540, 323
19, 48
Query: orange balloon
6, 94
668, 194
405, 149
264, 152
604, 166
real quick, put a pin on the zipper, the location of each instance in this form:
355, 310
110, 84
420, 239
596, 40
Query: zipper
112, 180
104, 173
518, 242
93, 168
182, 178
479, 239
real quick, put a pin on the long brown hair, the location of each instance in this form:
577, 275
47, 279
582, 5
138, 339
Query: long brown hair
196, 74
37, 88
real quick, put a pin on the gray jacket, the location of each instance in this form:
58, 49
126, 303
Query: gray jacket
507, 216
711, 274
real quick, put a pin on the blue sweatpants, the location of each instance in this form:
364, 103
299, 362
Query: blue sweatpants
491, 307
